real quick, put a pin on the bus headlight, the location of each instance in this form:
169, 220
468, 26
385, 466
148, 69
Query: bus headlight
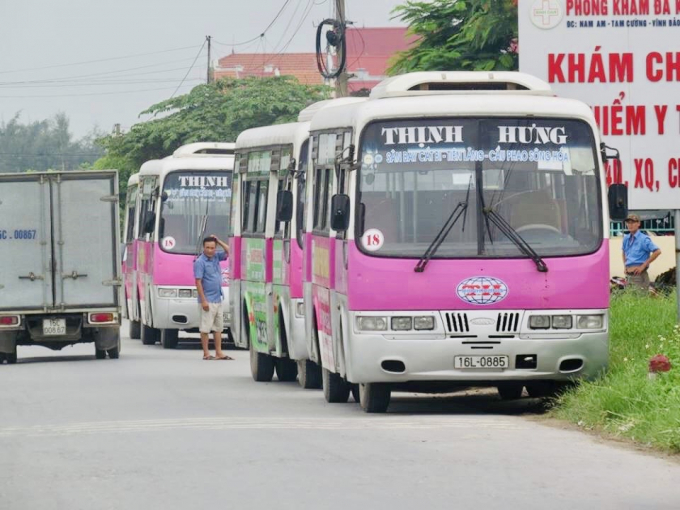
539, 322
185, 293
562, 321
167, 293
423, 323
372, 323
402, 323
590, 322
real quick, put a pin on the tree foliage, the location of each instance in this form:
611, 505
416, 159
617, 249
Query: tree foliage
459, 35
215, 112
44, 145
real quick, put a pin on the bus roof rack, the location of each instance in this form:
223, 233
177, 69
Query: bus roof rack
451, 82
307, 114
205, 149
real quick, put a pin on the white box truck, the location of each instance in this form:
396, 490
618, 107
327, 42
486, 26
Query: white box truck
59, 261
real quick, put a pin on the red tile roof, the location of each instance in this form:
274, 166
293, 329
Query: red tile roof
368, 53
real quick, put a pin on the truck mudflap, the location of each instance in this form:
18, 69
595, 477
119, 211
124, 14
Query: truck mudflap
106, 339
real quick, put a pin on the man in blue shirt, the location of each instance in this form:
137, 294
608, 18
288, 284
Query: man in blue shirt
208, 274
639, 251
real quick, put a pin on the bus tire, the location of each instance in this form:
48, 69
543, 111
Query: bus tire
309, 375
286, 369
135, 330
261, 365
114, 353
510, 390
335, 388
375, 397
169, 338
149, 335
99, 353
546, 389
354, 388
11, 358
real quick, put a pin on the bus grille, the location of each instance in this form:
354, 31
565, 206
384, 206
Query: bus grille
507, 322
457, 322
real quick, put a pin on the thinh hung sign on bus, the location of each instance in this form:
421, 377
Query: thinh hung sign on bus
198, 204
427, 136
538, 174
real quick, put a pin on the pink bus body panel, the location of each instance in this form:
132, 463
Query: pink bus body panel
294, 270
376, 283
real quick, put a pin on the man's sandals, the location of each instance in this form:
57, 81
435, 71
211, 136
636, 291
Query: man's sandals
224, 357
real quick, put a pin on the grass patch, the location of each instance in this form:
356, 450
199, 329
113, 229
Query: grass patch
626, 402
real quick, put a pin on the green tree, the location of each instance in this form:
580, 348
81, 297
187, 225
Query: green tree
44, 145
459, 35
215, 112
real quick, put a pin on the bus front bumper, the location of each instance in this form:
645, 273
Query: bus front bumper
373, 358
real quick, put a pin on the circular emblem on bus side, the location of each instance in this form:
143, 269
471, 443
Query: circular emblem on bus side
482, 290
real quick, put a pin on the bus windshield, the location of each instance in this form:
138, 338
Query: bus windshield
539, 175
196, 204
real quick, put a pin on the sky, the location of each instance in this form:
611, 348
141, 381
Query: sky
130, 54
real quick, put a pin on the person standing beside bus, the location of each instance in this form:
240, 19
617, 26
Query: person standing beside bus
208, 276
639, 251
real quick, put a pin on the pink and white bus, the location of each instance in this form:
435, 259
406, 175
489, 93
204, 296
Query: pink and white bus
458, 236
267, 216
131, 308
181, 199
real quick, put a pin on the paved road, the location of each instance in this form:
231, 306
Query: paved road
161, 429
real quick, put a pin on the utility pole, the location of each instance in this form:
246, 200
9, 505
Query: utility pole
209, 75
343, 78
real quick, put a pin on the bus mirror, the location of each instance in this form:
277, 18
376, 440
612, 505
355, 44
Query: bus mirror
340, 212
606, 156
284, 205
618, 202
164, 196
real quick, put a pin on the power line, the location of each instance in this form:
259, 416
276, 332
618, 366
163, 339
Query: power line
96, 61
278, 14
88, 93
190, 68
104, 73
100, 83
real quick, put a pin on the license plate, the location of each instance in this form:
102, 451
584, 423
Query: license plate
483, 362
54, 327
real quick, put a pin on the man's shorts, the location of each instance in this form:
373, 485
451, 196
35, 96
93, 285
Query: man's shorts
212, 320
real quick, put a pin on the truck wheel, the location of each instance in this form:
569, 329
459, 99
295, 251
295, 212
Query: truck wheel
286, 369
169, 338
99, 353
335, 388
2, 358
149, 335
375, 397
11, 357
261, 365
510, 390
309, 375
135, 330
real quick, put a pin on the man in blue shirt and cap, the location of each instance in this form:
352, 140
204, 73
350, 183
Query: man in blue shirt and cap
208, 274
639, 251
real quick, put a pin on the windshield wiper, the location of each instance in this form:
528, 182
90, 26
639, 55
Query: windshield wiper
461, 207
514, 236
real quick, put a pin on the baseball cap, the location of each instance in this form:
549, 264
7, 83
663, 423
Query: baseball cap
633, 217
